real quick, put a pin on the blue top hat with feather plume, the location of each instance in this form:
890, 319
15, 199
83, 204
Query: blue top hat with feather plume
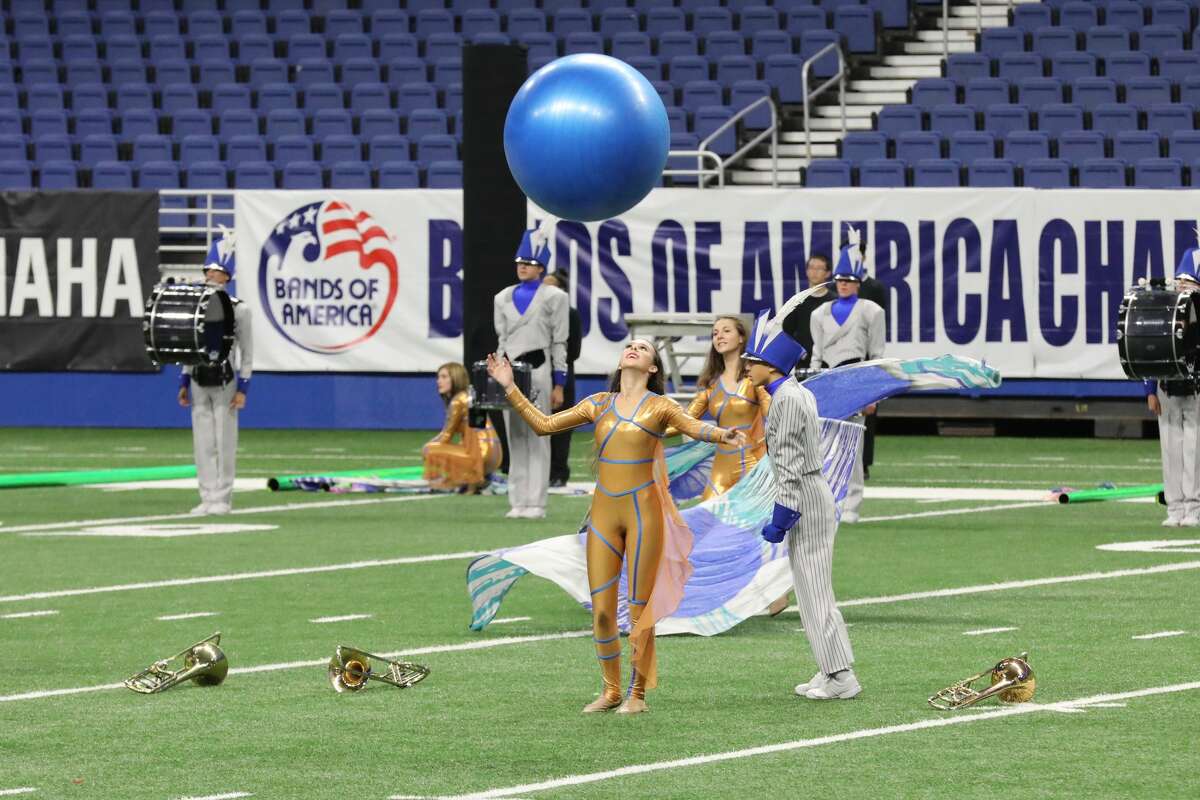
768, 342
1188, 265
535, 246
221, 254
850, 266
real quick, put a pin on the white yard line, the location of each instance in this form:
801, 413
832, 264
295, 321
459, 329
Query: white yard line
952, 511
305, 456
192, 615
506, 620
225, 796
25, 614
983, 631
238, 576
866, 733
482, 644
1160, 635
1047, 458
22, 790
50, 526
1057, 465
342, 618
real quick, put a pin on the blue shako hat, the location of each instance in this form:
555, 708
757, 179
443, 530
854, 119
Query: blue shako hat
1188, 267
221, 255
535, 246
850, 266
769, 343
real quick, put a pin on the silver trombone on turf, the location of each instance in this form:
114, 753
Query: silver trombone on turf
351, 668
1012, 680
204, 663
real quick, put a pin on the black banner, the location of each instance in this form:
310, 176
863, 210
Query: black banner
75, 271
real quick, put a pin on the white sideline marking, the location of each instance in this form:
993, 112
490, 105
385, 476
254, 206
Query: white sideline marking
22, 790
483, 644
226, 796
50, 526
239, 485
1160, 635
1047, 458
503, 620
24, 614
866, 733
343, 618
193, 615
938, 493
238, 576
1021, 465
1154, 546
242, 454
1110, 705
129, 449
329, 449
168, 531
951, 511
982, 631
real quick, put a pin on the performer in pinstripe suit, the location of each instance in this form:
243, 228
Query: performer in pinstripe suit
804, 508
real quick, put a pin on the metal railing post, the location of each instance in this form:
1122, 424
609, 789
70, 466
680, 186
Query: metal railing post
702, 152
839, 78
945, 28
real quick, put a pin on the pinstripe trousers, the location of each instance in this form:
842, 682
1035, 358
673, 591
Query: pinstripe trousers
810, 551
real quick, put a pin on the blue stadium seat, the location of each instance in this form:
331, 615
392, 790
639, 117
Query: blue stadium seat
377, 121
1039, 92
677, 119
436, 147
828, 173
399, 175
80, 48
245, 150
321, 96
293, 148
53, 147
285, 122
1132, 146
930, 92
444, 175
914, 146
881, 173
94, 122
984, 92
332, 122
952, 118
314, 72
1177, 65
1123, 66
860, 146
14, 147
205, 23
344, 21
1105, 39
137, 122
1006, 117
812, 42
360, 70
398, 45
1110, 118
386, 22
446, 72
532, 20
199, 148
1032, 16
630, 45
857, 25
350, 175
127, 71
701, 93
710, 19
937, 172
58, 175
1171, 13
1078, 16
618, 20
207, 175
1129, 16
413, 96
112, 175
40, 72
1142, 93
1069, 66
1189, 90
683, 141
745, 93
89, 95
305, 46
46, 121
404, 70
583, 43
164, 47
1056, 118
731, 69
196, 121
1170, 117
894, 120
249, 22
685, 69
443, 45
159, 175
566, 21
117, 23
80, 72
1091, 92
798, 19
998, 41
265, 71
179, 97
292, 23
1047, 173
892, 13
302, 175
1185, 145
173, 70
1102, 173
237, 122
731, 43
351, 45
1021, 147
677, 43
385, 148
430, 21
1048, 41
151, 147
707, 120
753, 19
967, 146
160, 23
659, 20
992, 173
1079, 146
1159, 39
340, 147
962, 67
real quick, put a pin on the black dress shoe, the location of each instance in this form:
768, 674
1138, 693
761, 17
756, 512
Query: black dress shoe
557, 483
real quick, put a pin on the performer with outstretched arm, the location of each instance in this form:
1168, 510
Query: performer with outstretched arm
632, 516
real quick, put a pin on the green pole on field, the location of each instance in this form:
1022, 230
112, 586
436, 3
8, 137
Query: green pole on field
287, 483
75, 478
1094, 495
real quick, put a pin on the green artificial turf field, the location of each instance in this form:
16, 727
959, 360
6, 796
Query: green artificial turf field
1114, 716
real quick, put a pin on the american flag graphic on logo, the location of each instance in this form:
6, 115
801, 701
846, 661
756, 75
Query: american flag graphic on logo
341, 290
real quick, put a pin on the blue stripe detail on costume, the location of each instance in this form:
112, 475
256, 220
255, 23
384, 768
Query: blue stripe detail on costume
616, 552
637, 553
608, 640
625, 460
609, 657
638, 602
600, 487
606, 584
636, 408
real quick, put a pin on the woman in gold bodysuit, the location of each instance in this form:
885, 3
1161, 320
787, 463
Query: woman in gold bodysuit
742, 407
632, 515
465, 464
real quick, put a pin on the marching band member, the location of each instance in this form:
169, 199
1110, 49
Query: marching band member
532, 326
798, 323
215, 397
804, 511
848, 330
465, 464
1177, 405
632, 517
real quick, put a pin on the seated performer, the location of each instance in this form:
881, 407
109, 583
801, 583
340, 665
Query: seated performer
632, 518
741, 407
804, 511
465, 464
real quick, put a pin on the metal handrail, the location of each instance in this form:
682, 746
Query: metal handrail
839, 78
724, 163
946, 23
207, 210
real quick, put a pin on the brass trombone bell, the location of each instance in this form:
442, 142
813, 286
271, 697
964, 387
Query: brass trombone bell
203, 663
351, 668
1012, 681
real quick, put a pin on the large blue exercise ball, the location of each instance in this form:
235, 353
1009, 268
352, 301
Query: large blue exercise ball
587, 137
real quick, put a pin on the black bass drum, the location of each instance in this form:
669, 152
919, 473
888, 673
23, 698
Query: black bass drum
188, 323
1157, 334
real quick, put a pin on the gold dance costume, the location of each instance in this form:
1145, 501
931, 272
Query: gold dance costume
741, 410
632, 519
468, 461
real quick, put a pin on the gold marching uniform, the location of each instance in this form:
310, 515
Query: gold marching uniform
741, 410
468, 461
632, 518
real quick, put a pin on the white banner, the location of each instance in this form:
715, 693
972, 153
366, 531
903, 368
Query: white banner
1029, 280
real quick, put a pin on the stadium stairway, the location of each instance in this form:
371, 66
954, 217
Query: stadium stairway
875, 80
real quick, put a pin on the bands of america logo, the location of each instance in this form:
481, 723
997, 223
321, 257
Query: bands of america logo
327, 277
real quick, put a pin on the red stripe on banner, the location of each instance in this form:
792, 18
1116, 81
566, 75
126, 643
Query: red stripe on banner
338, 225
341, 248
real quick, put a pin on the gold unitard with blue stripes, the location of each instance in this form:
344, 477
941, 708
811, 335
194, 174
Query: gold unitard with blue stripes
740, 410
626, 523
